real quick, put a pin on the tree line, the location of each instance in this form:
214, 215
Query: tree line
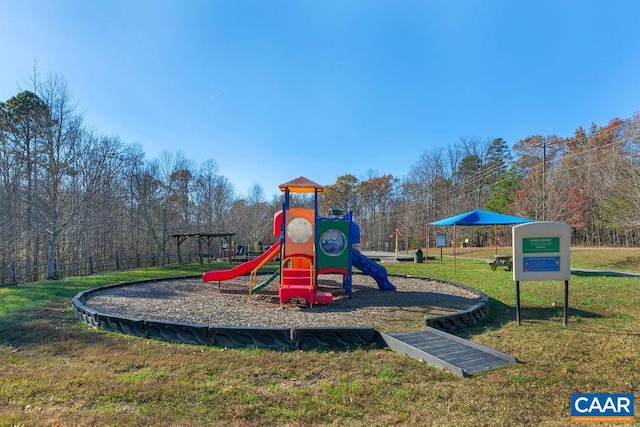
590, 180
69, 193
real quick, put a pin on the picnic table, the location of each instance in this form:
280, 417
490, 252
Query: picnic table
499, 260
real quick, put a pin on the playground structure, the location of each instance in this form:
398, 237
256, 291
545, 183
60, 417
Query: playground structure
309, 245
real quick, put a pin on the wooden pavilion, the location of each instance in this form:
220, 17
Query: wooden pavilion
202, 238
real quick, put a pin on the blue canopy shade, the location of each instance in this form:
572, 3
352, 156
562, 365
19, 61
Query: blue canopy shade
480, 217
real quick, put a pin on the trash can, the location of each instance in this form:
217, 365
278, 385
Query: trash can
418, 257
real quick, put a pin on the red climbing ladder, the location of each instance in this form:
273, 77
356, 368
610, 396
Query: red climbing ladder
299, 281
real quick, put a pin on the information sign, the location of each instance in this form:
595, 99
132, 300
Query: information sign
540, 245
541, 263
542, 251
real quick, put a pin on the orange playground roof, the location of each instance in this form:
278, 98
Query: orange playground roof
301, 185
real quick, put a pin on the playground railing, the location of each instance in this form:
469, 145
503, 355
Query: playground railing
253, 279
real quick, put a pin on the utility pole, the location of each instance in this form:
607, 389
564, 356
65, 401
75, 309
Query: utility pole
544, 179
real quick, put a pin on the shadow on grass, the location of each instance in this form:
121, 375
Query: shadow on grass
40, 313
499, 314
629, 261
602, 273
45, 326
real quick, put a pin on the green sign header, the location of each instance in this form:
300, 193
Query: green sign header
539, 245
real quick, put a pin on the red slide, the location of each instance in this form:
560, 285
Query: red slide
244, 268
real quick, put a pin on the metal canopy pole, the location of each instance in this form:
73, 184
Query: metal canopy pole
454, 247
426, 243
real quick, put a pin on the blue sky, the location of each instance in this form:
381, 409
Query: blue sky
273, 90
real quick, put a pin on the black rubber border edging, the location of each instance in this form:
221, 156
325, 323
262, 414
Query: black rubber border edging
283, 339
451, 321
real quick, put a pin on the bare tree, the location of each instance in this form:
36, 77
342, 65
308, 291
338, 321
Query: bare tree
377, 194
213, 195
162, 206
59, 151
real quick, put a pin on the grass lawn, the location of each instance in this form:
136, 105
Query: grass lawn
55, 370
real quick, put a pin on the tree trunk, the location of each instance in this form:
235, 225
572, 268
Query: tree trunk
51, 259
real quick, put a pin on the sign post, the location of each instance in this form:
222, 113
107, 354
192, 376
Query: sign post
396, 234
542, 251
441, 242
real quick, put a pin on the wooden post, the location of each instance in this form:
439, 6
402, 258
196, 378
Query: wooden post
396, 234
178, 243
90, 264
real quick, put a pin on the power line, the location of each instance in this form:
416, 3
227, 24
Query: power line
447, 193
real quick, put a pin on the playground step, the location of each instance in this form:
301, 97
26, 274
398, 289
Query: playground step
296, 281
296, 272
446, 351
288, 292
